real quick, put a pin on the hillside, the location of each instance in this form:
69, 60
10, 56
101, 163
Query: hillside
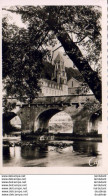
73, 73
48, 70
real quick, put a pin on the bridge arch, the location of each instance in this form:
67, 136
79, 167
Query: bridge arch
10, 120
8, 116
16, 122
43, 119
95, 122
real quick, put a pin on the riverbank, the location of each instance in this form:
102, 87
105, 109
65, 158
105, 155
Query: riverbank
61, 136
77, 137
34, 139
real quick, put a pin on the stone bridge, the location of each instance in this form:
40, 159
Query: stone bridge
83, 110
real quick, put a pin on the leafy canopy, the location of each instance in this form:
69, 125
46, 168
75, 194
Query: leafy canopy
25, 49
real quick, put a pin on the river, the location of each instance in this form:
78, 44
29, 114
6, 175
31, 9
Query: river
75, 154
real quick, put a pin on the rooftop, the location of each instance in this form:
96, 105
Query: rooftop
59, 58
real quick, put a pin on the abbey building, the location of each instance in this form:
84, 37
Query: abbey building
57, 86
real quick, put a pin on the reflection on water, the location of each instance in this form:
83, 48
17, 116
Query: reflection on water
76, 154
90, 149
34, 152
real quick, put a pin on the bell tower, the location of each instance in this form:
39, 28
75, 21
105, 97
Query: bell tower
59, 71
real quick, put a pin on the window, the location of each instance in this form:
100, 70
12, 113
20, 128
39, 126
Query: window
72, 83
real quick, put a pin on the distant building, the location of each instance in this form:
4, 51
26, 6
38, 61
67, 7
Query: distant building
73, 86
76, 87
57, 86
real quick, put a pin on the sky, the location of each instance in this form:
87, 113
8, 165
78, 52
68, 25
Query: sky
14, 18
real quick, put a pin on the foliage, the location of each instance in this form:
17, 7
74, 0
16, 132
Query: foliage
47, 70
83, 89
83, 23
77, 28
22, 63
7, 105
73, 73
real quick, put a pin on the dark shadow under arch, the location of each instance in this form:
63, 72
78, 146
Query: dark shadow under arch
94, 121
8, 116
7, 126
96, 115
43, 119
46, 115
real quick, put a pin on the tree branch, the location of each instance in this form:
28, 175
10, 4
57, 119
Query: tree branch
74, 53
71, 31
42, 40
54, 51
81, 39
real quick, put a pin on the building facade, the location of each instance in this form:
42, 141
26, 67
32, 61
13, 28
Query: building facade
57, 86
75, 87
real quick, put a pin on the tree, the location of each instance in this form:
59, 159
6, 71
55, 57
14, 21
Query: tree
77, 28
22, 63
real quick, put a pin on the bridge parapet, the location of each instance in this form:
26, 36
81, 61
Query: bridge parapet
67, 99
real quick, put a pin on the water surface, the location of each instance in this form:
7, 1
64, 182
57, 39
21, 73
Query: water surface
78, 154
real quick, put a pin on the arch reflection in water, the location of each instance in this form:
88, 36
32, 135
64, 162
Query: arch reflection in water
88, 148
73, 154
12, 156
34, 152
15, 152
6, 153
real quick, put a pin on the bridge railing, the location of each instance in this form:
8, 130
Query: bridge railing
56, 99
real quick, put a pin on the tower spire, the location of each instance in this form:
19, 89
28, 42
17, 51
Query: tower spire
59, 72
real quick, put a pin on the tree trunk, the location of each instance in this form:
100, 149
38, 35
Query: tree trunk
74, 53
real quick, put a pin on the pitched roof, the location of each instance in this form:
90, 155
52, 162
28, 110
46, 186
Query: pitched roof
72, 78
59, 58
